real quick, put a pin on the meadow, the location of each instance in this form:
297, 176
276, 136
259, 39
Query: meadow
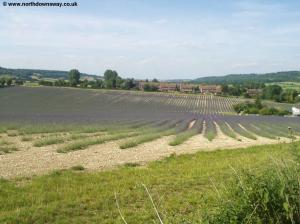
184, 189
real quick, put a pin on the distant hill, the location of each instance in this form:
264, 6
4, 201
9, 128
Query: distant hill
177, 80
29, 73
288, 76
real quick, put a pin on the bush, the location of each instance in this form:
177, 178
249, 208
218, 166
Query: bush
60, 82
253, 110
258, 108
270, 197
45, 83
78, 168
265, 111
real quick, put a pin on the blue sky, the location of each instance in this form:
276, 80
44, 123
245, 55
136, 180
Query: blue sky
151, 38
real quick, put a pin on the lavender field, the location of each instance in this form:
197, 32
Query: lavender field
62, 127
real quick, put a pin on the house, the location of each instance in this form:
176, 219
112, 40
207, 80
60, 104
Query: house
214, 89
296, 111
141, 84
166, 87
188, 88
254, 92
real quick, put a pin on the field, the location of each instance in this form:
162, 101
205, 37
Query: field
288, 85
52, 140
46, 128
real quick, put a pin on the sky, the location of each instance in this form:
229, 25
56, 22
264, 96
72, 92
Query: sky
175, 39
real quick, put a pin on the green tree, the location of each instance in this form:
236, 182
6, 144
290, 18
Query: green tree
258, 103
2, 81
110, 78
74, 77
98, 84
272, 92
84, 83
149, 87
60, 82
128, 84
8, 80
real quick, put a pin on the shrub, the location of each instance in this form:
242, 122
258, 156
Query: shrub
265, 111
269, 197
78, 167
45, 83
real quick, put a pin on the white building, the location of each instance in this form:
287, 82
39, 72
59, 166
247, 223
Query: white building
296, 111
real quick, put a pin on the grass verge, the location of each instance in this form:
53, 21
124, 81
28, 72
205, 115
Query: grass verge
181, 188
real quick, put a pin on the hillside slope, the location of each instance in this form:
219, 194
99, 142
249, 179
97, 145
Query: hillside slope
291, 76
28, 73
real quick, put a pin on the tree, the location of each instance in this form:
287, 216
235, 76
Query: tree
272, 92
110, 78
18, 82
128, 84
98, 84
84, 83
154, 80
2, 81
149, 87
258, 103
60, 82
74, 77
45, 83
8, 80
291, 95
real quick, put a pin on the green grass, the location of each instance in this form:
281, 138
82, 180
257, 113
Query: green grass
210, 135
270, 196
226, 129
4, 142
140, 139
243, 132
182, 188
260, 131
83, 144
146, 137
12, 133
183, 136
287, 85
26, 138
78, 168
7, 149
7, 146
48, 141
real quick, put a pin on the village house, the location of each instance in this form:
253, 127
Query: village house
141, 84
188, 88
214, 89
254, 92
166, 87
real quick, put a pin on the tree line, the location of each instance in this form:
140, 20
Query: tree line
269, 92
7, 80
111, 80
258, 108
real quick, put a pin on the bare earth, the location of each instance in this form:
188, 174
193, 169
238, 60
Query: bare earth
31, 160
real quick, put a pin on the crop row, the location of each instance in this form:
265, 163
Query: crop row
131, 134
